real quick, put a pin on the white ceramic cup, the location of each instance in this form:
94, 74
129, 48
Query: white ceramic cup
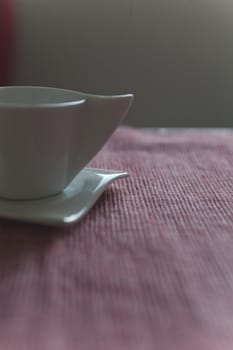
47, 135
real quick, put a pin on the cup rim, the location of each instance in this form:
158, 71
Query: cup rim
74, 102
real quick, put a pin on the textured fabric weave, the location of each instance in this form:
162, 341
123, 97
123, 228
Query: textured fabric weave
149, 267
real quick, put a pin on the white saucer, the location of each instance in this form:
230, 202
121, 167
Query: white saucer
67, 207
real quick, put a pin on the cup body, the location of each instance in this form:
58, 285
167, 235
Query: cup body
35, 128
48, 135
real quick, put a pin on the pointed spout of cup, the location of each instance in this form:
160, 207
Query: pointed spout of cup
99, 118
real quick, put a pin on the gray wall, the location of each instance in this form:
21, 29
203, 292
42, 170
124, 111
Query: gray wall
175, 55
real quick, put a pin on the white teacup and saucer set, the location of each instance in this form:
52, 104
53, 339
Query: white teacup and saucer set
47, 138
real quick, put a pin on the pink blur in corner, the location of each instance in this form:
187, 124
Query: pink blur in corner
6, 40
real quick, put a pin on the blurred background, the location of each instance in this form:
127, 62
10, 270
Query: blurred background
175, 56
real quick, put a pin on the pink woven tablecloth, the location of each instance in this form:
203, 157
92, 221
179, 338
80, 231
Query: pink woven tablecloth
150, 266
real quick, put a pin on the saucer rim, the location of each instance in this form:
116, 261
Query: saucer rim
62, 221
